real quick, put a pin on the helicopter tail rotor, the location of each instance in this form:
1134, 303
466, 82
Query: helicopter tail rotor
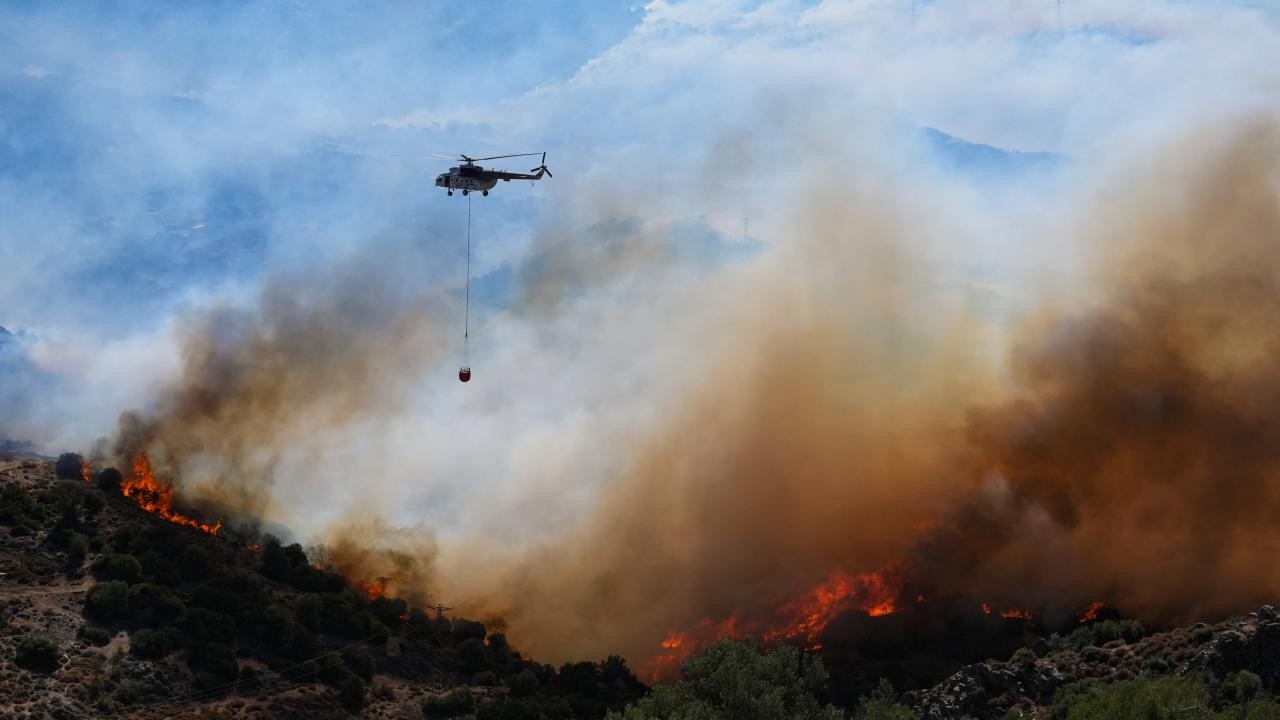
543, 167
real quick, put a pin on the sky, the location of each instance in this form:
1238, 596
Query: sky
176, 179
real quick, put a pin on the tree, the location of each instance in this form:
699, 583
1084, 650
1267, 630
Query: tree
733, 680
69, 466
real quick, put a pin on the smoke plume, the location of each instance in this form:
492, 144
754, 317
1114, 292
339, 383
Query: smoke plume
829, 404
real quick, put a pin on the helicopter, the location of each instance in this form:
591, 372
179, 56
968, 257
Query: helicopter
469, 176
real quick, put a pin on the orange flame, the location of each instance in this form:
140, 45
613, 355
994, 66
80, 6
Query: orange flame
156, 497
1091, 613
371, 590
986, 609
86, 473
1015, 614
801, 620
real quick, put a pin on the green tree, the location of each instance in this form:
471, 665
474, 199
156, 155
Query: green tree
733, 680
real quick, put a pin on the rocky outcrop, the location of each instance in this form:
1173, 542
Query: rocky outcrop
1251, 644
986, 690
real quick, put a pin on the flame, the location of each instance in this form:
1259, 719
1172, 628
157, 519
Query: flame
86, 473
156, 497
371, 590
1016, 614
1091, 613
986, 609
800, 621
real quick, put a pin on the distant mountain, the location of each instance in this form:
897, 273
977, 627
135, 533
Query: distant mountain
965, 155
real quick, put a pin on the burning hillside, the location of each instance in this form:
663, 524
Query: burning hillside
1124, 454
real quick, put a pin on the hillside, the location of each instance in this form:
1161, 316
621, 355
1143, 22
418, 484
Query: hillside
110, 611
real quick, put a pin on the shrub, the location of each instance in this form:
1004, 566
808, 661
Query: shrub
484, 678
108, 601
351, 694
308, 610
882, 704
523, 683
467, 629
19, 509
205, 625
77, 547
155, 605
360, 662
38, 654
110, 480
69, 466
275, 561
735, 680
96, 635
152, 644
214, 658
195, 562
92, 502
1240, 687
452, 704
118, 566
472, 655
1024, 657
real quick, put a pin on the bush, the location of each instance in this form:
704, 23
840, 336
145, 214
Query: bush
308, 610
275, 561
882, 704
77, 547
152, 644
92, 502
69, 467
1024, 657
484, 678
38, 654
195, 563
118, 566
108, 601
472, 655
735, 680
523, 683
19, 509
214, 658
452, 704
155, 605
205, 625
1240, 687
467, 629
360, 662
351, 693
96, 635
110, 480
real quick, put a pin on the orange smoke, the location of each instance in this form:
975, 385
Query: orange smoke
156, 497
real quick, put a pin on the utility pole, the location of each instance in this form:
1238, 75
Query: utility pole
440, 610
